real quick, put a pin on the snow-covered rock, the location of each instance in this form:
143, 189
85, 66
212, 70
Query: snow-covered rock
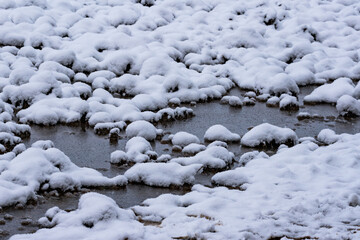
288, 103
137, 149
183, 139
348, 106
162, 174
143, 129
43, 167
215, 157
220, 133
267, 135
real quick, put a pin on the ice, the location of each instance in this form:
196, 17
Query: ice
220, 133
267, 135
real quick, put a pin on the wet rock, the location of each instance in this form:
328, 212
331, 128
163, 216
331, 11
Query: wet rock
176, 148
26, 222
8, 217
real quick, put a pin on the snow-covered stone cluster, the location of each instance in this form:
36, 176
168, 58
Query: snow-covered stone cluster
121, 67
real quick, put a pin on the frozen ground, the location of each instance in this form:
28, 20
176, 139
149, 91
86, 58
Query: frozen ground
129, 69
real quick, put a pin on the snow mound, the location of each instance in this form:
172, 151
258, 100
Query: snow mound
330, 93
348, 106
183, 139
193, 148
327, 136
215, 157
162, 174
233, 101
43, 167
143, 129
220, 133
137, 150
288, 103
267, 135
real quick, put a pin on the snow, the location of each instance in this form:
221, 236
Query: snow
267, 135
143, 129
130, 65
43, 167
215, 157
137, 149
220, 133
313, 193
330, 93
162, 174
288, 102
183, 139
347, 105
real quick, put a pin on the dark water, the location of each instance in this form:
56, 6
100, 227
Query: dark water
87, 149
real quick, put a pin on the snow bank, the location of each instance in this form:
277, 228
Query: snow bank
43, 167
162, 174
267, 135
220, 133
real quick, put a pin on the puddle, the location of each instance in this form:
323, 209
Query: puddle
86, 149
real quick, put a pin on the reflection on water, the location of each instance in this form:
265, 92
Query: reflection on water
87, 149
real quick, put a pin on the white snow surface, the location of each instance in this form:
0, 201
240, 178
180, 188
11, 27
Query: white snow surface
313, 193
266, 133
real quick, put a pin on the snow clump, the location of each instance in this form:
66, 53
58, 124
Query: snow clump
220, 133
348, 106
267, 135
137, 149
43, 167
143, 129
162, 174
